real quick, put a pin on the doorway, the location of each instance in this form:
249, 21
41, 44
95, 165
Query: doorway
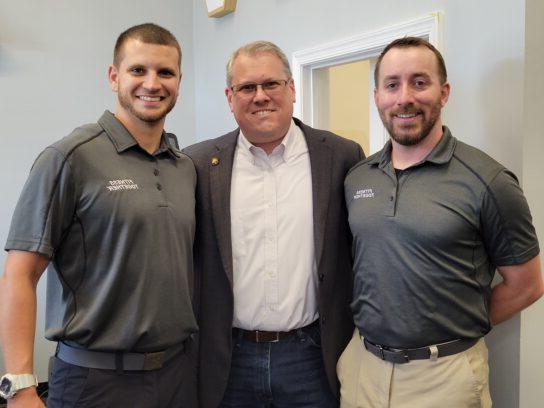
335, 81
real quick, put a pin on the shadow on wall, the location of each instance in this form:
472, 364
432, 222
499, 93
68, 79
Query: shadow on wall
7, 63
2, 59
502, 113
504, 349
16, 42
3, 50
501, 96
5, 67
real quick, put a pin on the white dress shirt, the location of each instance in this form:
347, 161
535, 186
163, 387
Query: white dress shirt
274, 276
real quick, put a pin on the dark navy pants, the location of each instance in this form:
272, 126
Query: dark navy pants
286, 374
172, 386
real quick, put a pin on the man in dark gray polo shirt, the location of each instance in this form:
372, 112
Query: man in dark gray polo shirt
110, 209
432, 218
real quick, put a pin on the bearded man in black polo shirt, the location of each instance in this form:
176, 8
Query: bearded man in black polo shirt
432, 218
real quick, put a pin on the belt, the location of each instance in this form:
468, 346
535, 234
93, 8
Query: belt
400, 356
116, 360
261, 336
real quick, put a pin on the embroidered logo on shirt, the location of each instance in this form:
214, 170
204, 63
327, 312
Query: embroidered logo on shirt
364, 193
124, 184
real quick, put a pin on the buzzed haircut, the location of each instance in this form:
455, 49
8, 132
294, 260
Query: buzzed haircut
258, 47
147, 33
407, 42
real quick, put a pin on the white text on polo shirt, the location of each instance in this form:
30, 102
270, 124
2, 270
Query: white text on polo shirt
124, 184
365, 193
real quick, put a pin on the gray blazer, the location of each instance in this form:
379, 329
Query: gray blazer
331, 157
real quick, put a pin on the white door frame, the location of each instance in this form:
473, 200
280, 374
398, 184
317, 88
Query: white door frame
358, 47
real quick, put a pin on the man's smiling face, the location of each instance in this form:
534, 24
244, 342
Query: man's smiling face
147, 82
409, 94
264, 118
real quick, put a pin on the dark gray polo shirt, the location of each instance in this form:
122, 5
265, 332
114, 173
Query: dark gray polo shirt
118, 224
426, 246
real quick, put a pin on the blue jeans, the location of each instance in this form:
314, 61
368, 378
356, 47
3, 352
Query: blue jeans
289, 373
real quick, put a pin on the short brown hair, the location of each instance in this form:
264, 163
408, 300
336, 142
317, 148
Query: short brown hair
258, 47
407, 42
147, 33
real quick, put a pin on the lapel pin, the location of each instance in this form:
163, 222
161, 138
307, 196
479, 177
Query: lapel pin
215, 161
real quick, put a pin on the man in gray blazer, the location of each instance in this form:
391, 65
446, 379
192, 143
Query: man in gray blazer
272, 248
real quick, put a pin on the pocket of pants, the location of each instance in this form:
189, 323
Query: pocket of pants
313, 337
340, 365
95, 389
348, 369
477, 365
66, 384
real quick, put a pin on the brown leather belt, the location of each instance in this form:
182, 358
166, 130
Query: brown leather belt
400, 356
261, 336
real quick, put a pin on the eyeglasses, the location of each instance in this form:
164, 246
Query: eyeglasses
270, 87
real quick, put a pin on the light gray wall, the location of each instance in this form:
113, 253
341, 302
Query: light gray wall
532, 325
54, 54
53, 62
484, 52
483, 47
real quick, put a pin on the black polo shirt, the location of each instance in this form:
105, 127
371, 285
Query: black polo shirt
118, 224
426, 245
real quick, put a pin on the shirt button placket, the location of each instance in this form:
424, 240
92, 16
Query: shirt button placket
158, 185
270, 238
390, 204
156, 172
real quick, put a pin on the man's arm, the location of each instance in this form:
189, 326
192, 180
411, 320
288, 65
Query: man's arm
18, 318
521, 286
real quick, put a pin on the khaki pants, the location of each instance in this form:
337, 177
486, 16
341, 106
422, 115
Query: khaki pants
457, 381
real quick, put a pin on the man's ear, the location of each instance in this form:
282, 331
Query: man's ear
292, 90
446, 89
228, 94
113, 78
179, 81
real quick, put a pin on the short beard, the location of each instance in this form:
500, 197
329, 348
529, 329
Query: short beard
412, 140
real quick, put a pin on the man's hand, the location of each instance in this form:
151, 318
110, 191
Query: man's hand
18, 319
26, 398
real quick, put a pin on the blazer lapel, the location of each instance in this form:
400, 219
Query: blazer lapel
321, 164
220, 180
